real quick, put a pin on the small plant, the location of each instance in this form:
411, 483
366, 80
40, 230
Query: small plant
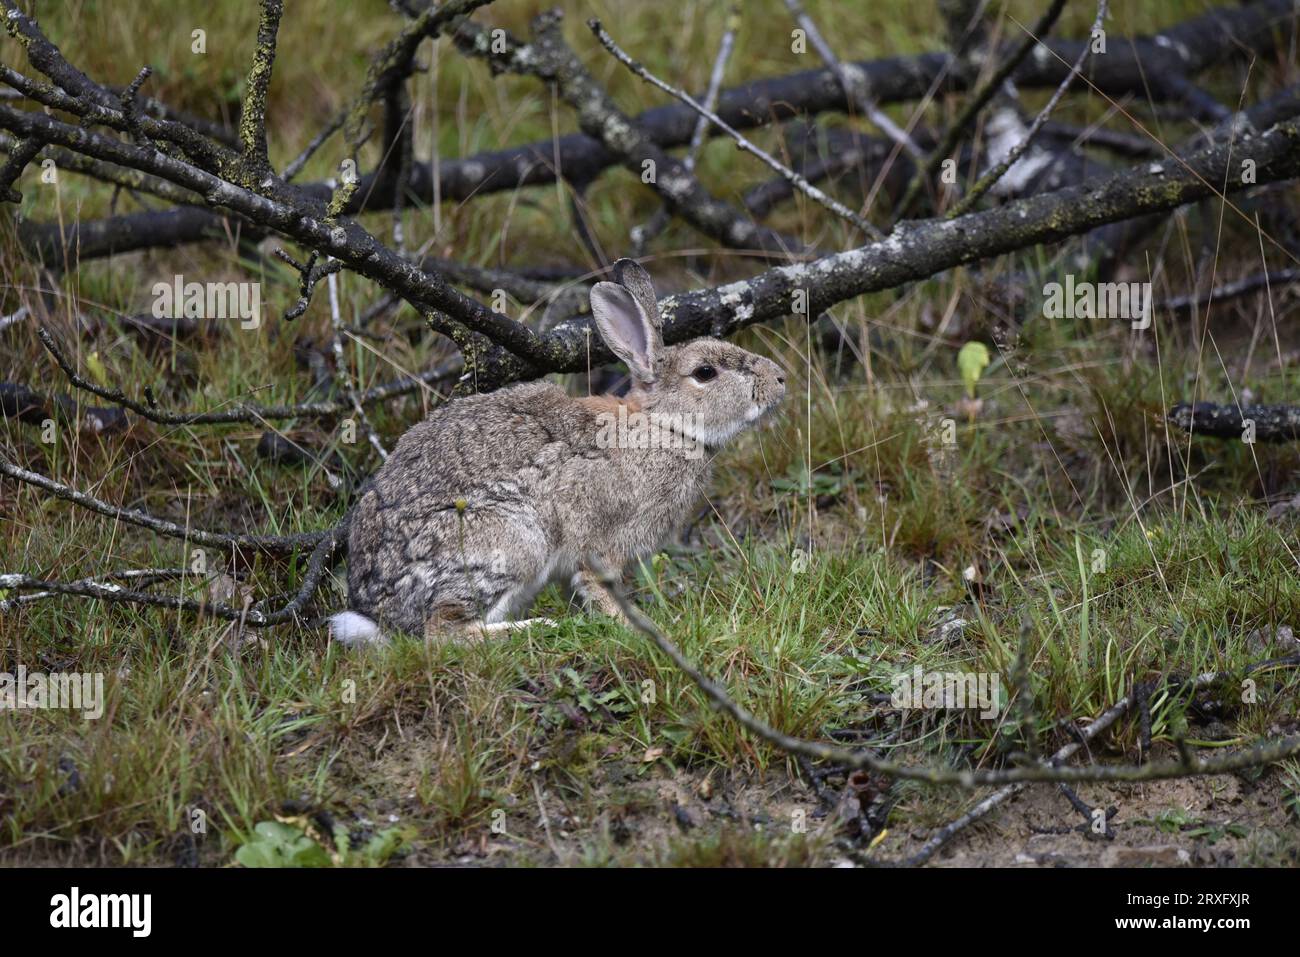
1214, 833
822, 483
1172, 820
281, 845
972, 359
614, 701
296, 844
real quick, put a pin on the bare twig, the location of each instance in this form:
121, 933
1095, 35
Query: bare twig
854, 83
987, 181
248, 412
326, 548
309, 274
805, 187
642, 235
341, 375
134, 516
296, 165
977, 101
1086, 734
141, 576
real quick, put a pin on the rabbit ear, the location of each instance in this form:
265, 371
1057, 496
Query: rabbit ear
626, 328
628, 273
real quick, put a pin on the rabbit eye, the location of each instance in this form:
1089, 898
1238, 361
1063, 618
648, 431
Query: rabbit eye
704, 373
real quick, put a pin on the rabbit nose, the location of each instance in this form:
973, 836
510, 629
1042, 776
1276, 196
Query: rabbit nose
777, 372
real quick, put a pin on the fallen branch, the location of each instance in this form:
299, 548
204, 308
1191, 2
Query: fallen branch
1103, 721
1268, 281
999, 169
244, 411
976, 103
323, 554
1261, 753
1132, 65
550, 59
275, 544
918, 250
1270, 423
258, 199
19, 402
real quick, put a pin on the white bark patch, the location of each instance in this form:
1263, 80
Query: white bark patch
678, 187
1168, 43
1006, 131
733, 298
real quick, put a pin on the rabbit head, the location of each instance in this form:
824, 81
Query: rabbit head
713, 388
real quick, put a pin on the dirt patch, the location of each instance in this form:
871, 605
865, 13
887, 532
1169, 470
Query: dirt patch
1203, 822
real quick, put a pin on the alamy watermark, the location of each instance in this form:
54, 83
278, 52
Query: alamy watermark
209, 300
645, 431
1098, 300
948, 689
130, 911
36, 691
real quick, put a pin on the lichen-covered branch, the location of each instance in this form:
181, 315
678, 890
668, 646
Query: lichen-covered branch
252, 116
918, 250
1249, 423
549, 58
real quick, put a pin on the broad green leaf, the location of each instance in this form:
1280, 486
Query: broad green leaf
971, 361
97, 370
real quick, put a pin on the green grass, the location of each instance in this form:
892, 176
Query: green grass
829, 557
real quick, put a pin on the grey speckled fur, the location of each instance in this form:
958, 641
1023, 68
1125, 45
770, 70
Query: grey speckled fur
492, 496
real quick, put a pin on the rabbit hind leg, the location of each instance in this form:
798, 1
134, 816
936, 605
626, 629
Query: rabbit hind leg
470, 630
456, 621
596, 595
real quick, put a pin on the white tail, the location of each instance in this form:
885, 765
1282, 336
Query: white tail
352, 629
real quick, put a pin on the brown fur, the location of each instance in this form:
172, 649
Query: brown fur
609, 404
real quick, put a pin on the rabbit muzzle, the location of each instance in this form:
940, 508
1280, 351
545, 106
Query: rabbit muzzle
768, 389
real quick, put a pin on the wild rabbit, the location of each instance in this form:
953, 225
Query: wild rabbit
493, 496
